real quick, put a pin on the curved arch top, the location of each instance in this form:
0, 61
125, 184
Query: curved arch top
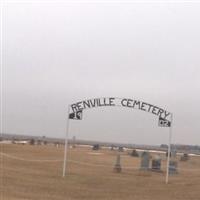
78, 107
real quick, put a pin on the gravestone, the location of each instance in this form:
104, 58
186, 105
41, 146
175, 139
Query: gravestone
134, 153
140, 153
117, 167
173, 167
169, 154
156, 164
74, 142
56, 144
96, 147
184, 157
173, 153
145, 158
112, 148
120, 149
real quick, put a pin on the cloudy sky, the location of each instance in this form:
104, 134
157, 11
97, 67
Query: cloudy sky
55, 54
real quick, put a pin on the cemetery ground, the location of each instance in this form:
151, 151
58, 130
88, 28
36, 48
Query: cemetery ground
35, 172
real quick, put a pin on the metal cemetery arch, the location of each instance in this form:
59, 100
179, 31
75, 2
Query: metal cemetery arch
75, 112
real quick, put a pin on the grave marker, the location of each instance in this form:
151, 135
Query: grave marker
145, 158
184, 157
96, 147
156, 164
117, 167
74, 142
173, 167
134, 153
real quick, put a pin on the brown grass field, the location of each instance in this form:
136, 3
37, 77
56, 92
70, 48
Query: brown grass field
90, 176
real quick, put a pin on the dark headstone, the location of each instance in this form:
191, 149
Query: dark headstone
145, 158
184, 157
96, 147
117, 167
173, 167
134, 153
32, 142
120, 149
156, 164
39, 142
112, 147
173, 154
169, 154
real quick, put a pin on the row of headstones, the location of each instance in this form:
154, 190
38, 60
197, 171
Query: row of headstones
97, 147
134, 153
145, 162
184, 157
156, 164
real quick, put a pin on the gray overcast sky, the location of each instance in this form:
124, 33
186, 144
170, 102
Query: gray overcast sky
57, 54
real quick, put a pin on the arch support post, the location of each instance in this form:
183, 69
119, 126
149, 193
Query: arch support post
169, 150
66, 144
